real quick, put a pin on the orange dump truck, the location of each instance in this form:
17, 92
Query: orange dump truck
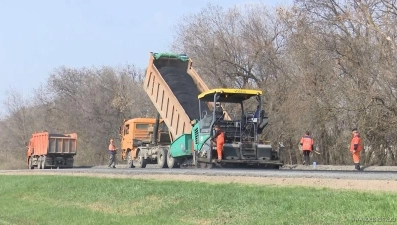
143, 134
46, 150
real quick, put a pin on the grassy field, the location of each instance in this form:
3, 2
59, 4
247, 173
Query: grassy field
82, 200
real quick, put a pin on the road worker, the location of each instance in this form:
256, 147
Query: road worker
219, 139
355, 148
307, 147
112, 154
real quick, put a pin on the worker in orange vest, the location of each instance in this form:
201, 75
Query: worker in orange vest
355, 148
219, 139
307, 147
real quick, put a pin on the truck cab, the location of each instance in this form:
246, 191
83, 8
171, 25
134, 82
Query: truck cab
138, 132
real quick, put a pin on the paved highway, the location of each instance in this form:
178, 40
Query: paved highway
285, 172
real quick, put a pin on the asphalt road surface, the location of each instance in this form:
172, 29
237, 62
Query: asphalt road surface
323, 172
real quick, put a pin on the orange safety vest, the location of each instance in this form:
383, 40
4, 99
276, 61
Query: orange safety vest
220, 138
356, 140
307, 143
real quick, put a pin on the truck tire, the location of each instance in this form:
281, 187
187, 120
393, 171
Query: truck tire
171, 161
162, 158
43, 162
39, 163
30, 163
69, 162
141, 162
130, 162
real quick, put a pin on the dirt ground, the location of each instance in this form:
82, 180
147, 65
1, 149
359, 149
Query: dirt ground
344, 184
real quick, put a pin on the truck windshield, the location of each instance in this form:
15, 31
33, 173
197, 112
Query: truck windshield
142, 126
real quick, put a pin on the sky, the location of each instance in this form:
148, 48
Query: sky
39, 36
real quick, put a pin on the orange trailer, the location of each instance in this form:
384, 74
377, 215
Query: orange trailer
45, 150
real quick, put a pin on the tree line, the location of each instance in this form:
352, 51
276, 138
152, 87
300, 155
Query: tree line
91, 102
323, 66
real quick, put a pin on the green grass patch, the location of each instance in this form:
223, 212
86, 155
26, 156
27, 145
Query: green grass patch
31, 200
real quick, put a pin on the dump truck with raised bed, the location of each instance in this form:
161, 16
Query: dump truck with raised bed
46, 150
140, 132
169, 82
177, 92
173, 85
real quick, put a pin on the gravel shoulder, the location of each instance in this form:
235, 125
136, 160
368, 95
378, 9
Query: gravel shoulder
382, 179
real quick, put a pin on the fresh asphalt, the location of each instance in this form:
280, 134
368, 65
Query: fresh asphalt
245, 172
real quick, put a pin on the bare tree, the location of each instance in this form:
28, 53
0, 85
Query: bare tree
89, 101
97, 101
324, 66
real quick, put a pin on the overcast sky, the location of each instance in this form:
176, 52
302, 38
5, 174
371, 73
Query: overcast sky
38, 36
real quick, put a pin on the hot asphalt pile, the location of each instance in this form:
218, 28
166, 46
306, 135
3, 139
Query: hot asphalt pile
184, 89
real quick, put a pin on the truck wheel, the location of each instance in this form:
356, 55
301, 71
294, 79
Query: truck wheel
171, 161
141, 162
43, 161
162, 158
129, 160
30, 165
39, 163
70, 162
